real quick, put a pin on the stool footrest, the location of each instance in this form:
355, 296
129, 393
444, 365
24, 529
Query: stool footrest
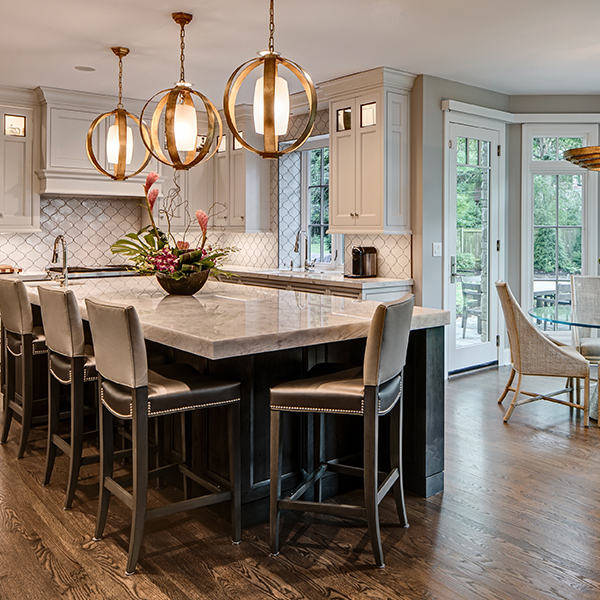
190, 504
341, 510
387, 485
308, 482
211, 487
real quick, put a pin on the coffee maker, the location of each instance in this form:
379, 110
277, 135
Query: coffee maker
364, 261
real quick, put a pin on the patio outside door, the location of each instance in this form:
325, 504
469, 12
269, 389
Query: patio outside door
472, 239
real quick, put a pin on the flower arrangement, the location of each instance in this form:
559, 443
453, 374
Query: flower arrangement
154, 252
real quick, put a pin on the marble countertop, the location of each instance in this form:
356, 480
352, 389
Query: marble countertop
318, 277
223, 321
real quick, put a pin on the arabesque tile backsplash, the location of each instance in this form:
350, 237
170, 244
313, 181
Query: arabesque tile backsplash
91, 225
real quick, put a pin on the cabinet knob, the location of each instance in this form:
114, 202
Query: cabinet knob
1, 215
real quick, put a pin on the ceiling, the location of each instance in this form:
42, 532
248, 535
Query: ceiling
509, 46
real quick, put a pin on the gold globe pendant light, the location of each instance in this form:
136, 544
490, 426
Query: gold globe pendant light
119, 142
587, 157
271, 99
180, 121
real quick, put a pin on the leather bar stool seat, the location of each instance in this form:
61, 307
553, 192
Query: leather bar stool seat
62, 369
22, 341
71, 362
369, 392
130, 390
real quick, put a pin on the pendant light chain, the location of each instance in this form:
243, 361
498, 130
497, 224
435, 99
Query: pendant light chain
271, 28
182, 56
120, 103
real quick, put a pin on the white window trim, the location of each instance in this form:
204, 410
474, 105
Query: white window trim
589, 250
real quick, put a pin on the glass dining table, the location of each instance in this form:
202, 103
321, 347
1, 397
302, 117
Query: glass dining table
562, 316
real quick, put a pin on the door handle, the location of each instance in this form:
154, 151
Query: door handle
453, 273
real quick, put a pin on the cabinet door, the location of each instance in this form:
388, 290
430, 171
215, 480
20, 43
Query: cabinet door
397, 180
237, 190
369, 161
221, 183
16, 158
342, 165
200, 189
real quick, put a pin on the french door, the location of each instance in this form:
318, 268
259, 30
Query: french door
472, 247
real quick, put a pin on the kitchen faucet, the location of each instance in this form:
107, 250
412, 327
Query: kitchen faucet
65, 273
304, 262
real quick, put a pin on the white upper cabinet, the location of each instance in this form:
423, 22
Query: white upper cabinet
242, 180
369, 152
65, 167
19, 198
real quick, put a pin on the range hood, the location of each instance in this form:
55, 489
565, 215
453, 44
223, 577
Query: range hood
65, 169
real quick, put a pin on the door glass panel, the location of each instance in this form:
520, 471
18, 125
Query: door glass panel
473, 152
557, 241
569, 199
544, 200
472, 241
461, 151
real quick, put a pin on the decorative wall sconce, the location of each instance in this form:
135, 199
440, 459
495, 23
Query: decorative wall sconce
119, 141
271, 99
180, 119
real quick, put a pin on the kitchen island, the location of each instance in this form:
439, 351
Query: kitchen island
265, 336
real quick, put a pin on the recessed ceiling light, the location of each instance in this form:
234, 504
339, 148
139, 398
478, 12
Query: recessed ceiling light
81, 68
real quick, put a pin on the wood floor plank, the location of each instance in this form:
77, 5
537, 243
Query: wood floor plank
518, 521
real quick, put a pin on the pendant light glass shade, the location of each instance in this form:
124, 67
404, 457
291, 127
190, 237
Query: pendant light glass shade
176, 119
271, 99
119, 140
113, 145
281, 106
185, 127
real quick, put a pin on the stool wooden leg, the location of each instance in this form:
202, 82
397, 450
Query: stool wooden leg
275, 491
53, 424
371, 478
76, 433
140, 477
233, 424
26, 392
8, 374
106, 467
319, 453
396, 460
185, 453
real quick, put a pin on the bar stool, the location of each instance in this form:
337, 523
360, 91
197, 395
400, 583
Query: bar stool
129, 390
22, 341
70, 362
368, 392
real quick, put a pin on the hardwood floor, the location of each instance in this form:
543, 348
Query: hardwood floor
519, 520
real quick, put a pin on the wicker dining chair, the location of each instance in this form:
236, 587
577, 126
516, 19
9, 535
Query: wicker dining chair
533, 353
585, 295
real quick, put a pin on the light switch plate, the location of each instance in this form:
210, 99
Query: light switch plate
436, 249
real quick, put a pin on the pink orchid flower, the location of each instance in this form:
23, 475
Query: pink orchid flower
202, 220
183, 245
152, 196
151, 179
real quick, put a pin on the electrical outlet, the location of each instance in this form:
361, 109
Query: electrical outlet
437, 249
